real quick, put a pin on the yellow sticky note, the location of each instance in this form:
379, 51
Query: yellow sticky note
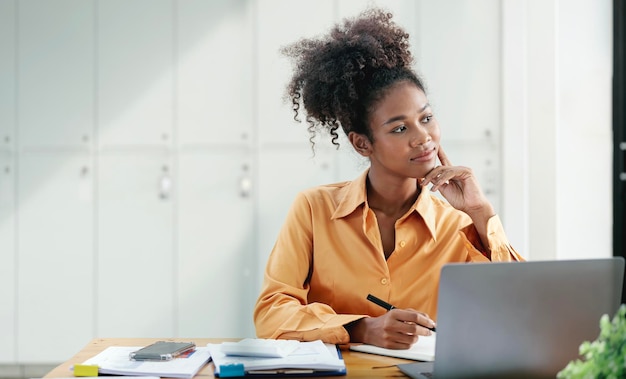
85, 370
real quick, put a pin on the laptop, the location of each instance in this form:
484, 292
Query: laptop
521, 319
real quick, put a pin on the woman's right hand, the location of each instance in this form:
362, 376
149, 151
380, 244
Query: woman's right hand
396, 329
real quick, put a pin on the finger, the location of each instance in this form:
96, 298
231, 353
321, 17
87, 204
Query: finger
439, 176
425, 321
432, 175
408, 328
440, 181
415, 323
407, 333
443, 158
406, 315
404, 344
414, 330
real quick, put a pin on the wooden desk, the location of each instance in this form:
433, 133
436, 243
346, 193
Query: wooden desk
359, 365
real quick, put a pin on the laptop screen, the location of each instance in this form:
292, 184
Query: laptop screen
522, 319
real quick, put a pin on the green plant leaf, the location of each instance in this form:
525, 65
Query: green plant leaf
606, 356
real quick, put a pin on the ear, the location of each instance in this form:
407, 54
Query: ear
361, 143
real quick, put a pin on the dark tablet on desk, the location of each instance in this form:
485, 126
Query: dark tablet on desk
162, 351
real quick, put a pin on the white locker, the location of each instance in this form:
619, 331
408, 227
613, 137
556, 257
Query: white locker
283, 172
55, 262
281, 22
215, 64
8, 260
8, 69
461, 66
216, 243
56, 73
135, 79
135, 227
482, 157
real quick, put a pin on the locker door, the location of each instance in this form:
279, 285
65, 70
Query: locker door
283, 172
135, 72
7, 72
216, 243
55, 255
214, 74
8, 263
136, 263
461, 68
56, 73
281, 22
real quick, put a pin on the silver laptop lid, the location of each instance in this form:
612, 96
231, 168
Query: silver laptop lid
523, 319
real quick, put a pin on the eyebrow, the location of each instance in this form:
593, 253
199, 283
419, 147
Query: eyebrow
401, 117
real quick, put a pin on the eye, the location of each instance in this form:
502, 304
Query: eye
428, 118
398, 129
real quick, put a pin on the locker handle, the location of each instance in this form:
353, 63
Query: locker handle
245, 186
165, 187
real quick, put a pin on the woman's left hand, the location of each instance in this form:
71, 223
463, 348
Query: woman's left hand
458, 185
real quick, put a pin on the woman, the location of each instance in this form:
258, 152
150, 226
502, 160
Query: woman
384, 233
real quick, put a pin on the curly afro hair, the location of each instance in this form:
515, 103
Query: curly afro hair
339, 77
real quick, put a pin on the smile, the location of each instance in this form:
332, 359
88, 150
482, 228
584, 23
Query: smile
425, 156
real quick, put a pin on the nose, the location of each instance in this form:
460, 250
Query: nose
420, 137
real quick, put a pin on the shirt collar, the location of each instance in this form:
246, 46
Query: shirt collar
424, 207
355, 195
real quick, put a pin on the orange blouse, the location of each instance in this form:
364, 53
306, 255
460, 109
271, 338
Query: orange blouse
328, 257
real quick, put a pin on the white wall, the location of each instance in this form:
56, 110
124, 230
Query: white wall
557, 141
585, 140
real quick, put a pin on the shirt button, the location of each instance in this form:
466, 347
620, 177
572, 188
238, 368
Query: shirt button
402, 243
383, 281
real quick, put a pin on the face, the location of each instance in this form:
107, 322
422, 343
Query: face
405, 133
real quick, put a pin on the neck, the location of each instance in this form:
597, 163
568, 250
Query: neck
392, 197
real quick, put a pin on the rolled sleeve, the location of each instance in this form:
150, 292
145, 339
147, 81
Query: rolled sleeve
499, 249
283, 309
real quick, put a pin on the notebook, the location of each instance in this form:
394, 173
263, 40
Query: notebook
519, 320
422, 350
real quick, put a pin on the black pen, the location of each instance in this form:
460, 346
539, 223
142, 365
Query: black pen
389, 307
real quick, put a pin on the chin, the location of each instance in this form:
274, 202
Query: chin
427, 168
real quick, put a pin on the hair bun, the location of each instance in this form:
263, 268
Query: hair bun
337, 77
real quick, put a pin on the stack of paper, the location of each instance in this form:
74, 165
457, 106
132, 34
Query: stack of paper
311, 358
115, 360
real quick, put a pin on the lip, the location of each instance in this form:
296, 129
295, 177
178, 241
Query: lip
424, 156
